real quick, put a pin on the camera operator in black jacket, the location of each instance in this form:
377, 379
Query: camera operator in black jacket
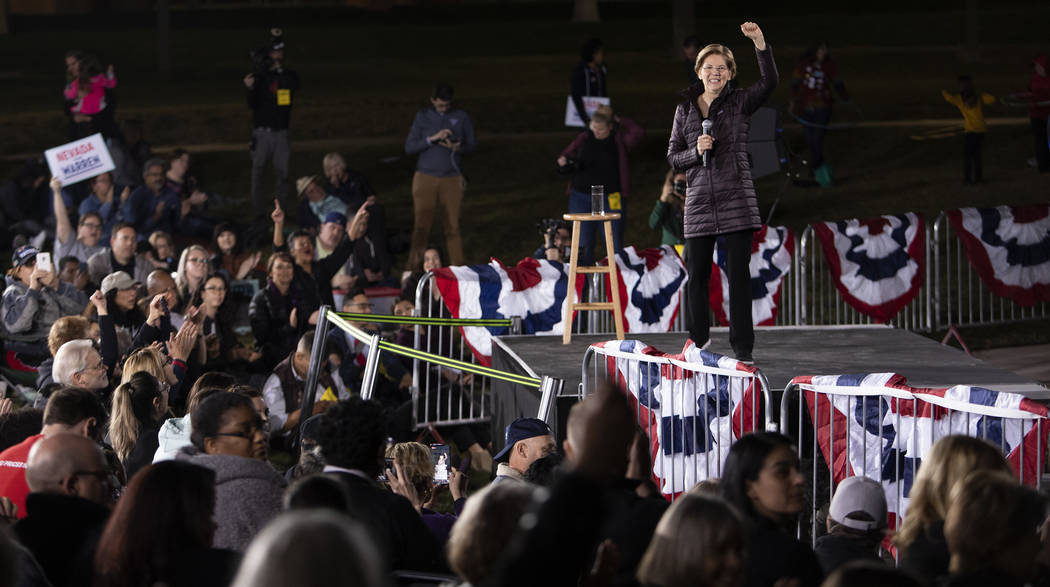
271, 90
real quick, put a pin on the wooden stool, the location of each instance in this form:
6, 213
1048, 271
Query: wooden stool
574, 257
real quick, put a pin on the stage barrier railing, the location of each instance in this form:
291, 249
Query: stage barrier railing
432, 406
691, 419
949, 419
819, 301
961, 298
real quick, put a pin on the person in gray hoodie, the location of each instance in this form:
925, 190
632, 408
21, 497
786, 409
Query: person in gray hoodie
440, 135
229, 438
35, 298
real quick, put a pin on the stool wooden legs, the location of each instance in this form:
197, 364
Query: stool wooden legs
614, 282
570, 305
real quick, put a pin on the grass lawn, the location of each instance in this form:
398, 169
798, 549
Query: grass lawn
365, 75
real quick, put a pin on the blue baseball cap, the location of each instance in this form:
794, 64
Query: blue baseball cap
523, 429
336, 218
24, 254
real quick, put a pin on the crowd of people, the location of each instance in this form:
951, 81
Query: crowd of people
164, 361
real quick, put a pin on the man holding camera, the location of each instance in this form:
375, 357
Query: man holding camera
271, 89
441, 135
557, 238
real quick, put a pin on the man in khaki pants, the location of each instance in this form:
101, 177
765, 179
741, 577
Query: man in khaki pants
441, 135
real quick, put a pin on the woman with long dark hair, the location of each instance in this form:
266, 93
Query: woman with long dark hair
720, 197
229, 255
761, 478
161, 532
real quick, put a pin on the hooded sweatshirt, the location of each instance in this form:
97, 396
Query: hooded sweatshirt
247, 495
30, 313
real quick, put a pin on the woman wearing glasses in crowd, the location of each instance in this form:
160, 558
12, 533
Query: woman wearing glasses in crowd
720, 196
217, 328
229, 437
194, 265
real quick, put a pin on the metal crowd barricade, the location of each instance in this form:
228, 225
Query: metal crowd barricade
687, 386
441, 394
961, 298
820, 468
788, 307
455, 412
818, 301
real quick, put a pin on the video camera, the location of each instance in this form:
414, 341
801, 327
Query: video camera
260, 56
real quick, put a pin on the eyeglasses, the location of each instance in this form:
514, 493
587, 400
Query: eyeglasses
363, 306
91, 225
719, 69
256, 427
196, 260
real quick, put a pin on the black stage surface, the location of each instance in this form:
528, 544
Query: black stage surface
780, 352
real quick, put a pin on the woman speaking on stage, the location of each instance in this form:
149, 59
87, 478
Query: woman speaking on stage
720, 197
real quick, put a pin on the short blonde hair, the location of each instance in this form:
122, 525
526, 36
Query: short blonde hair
722, 50
603, 115
65, 329
485, 528
416, 463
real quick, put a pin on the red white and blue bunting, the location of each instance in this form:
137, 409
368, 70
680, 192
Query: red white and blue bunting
772, 248
876, 263
1009, 246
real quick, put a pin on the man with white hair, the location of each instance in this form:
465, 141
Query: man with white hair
78, 364
68, 411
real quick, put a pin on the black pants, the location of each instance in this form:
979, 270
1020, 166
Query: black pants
972, 142
1042, 150
699, 251
818, 119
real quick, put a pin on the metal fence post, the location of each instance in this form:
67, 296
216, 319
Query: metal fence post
306, 408
550, 388
371, 368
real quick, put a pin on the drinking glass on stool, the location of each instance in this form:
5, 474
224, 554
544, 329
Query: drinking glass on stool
598, 200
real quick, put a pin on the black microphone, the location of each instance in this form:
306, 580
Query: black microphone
706, 125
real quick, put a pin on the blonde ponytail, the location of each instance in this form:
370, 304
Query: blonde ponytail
123, 425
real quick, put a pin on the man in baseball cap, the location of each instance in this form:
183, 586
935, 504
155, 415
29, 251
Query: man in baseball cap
527, 440
856, 524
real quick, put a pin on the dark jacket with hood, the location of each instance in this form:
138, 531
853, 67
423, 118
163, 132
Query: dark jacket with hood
720, 197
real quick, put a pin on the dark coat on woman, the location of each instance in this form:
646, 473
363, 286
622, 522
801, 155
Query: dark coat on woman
720, 197
268, 312
627, 136
775, 554
927, 556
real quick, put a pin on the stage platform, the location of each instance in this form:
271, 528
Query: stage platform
780, 352
785, 352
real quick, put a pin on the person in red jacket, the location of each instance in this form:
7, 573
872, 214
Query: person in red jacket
1039, 110
811, 97
599, 157
68, 411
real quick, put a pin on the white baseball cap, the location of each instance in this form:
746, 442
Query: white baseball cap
859, 494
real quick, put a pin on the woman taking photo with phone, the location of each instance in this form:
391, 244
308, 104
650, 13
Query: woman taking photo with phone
709, 143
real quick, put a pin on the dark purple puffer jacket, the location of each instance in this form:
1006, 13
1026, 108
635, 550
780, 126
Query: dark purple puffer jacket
720, 198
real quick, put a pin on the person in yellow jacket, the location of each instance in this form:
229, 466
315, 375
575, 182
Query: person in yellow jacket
971, 104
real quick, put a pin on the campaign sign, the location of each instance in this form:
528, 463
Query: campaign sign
82, 159
590, 104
